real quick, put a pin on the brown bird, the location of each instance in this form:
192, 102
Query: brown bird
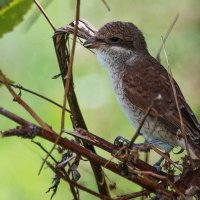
138, 79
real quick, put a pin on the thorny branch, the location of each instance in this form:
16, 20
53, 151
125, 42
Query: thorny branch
129, 172
33, 130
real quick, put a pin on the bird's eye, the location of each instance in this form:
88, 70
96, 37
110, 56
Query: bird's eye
114, 39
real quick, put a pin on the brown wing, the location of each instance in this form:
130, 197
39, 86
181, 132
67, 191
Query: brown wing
144, 80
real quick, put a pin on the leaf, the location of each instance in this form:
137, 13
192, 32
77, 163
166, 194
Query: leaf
12, 13
4, 3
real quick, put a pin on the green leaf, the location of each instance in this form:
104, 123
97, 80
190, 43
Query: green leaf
12, 13
4, 3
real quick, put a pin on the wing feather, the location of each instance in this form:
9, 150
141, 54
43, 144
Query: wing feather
144, 80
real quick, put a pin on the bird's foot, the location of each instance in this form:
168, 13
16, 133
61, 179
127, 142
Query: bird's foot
157, 165
124, 151
121, 141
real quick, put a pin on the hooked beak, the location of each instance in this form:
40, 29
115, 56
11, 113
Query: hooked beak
93, 43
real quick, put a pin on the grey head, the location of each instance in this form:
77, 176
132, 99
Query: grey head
116, 43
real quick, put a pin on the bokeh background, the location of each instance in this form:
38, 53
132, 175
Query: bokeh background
27, 56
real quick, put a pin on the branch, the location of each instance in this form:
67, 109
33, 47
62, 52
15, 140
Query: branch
45, 15
166, 36
23, 103
177, 104
112, 149
14, 117
36, 94
75, 184
141, 124
66, 86
77, 121
67, 144
92, 157
106, 4
60, 38
133, 195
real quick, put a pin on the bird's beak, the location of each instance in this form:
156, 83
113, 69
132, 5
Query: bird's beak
93, 43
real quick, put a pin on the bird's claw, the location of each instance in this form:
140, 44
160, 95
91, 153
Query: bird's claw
120, 141
158, 167
158, 163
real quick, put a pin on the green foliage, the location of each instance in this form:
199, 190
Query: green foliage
4, 3
12, 13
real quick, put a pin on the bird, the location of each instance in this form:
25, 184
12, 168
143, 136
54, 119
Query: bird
138, 80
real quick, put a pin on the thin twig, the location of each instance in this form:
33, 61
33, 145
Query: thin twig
166, 36
67, 83
146, 160
35, 15
101, 143
45, 15
115, 154
62, 52
14, 117
150, 173
142, 193
146, 157
37, 94
110, 148
23, 103
60, 38
75, 184
145, 182
177, 190
106, 4
73, 188
165, 157
140, 126
71, 61
40, 145
80, 150
177, 104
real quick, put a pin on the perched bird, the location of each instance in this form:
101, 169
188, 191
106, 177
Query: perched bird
138, 79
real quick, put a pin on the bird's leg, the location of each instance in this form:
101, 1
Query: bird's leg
158, 163
121, 141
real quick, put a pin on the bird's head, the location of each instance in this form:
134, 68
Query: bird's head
116, 42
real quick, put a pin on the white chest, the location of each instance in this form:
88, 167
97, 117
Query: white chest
133, 113
113, 60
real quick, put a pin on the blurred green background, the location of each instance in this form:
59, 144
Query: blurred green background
28, 57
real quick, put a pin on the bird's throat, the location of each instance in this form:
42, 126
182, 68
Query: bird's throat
114, 57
